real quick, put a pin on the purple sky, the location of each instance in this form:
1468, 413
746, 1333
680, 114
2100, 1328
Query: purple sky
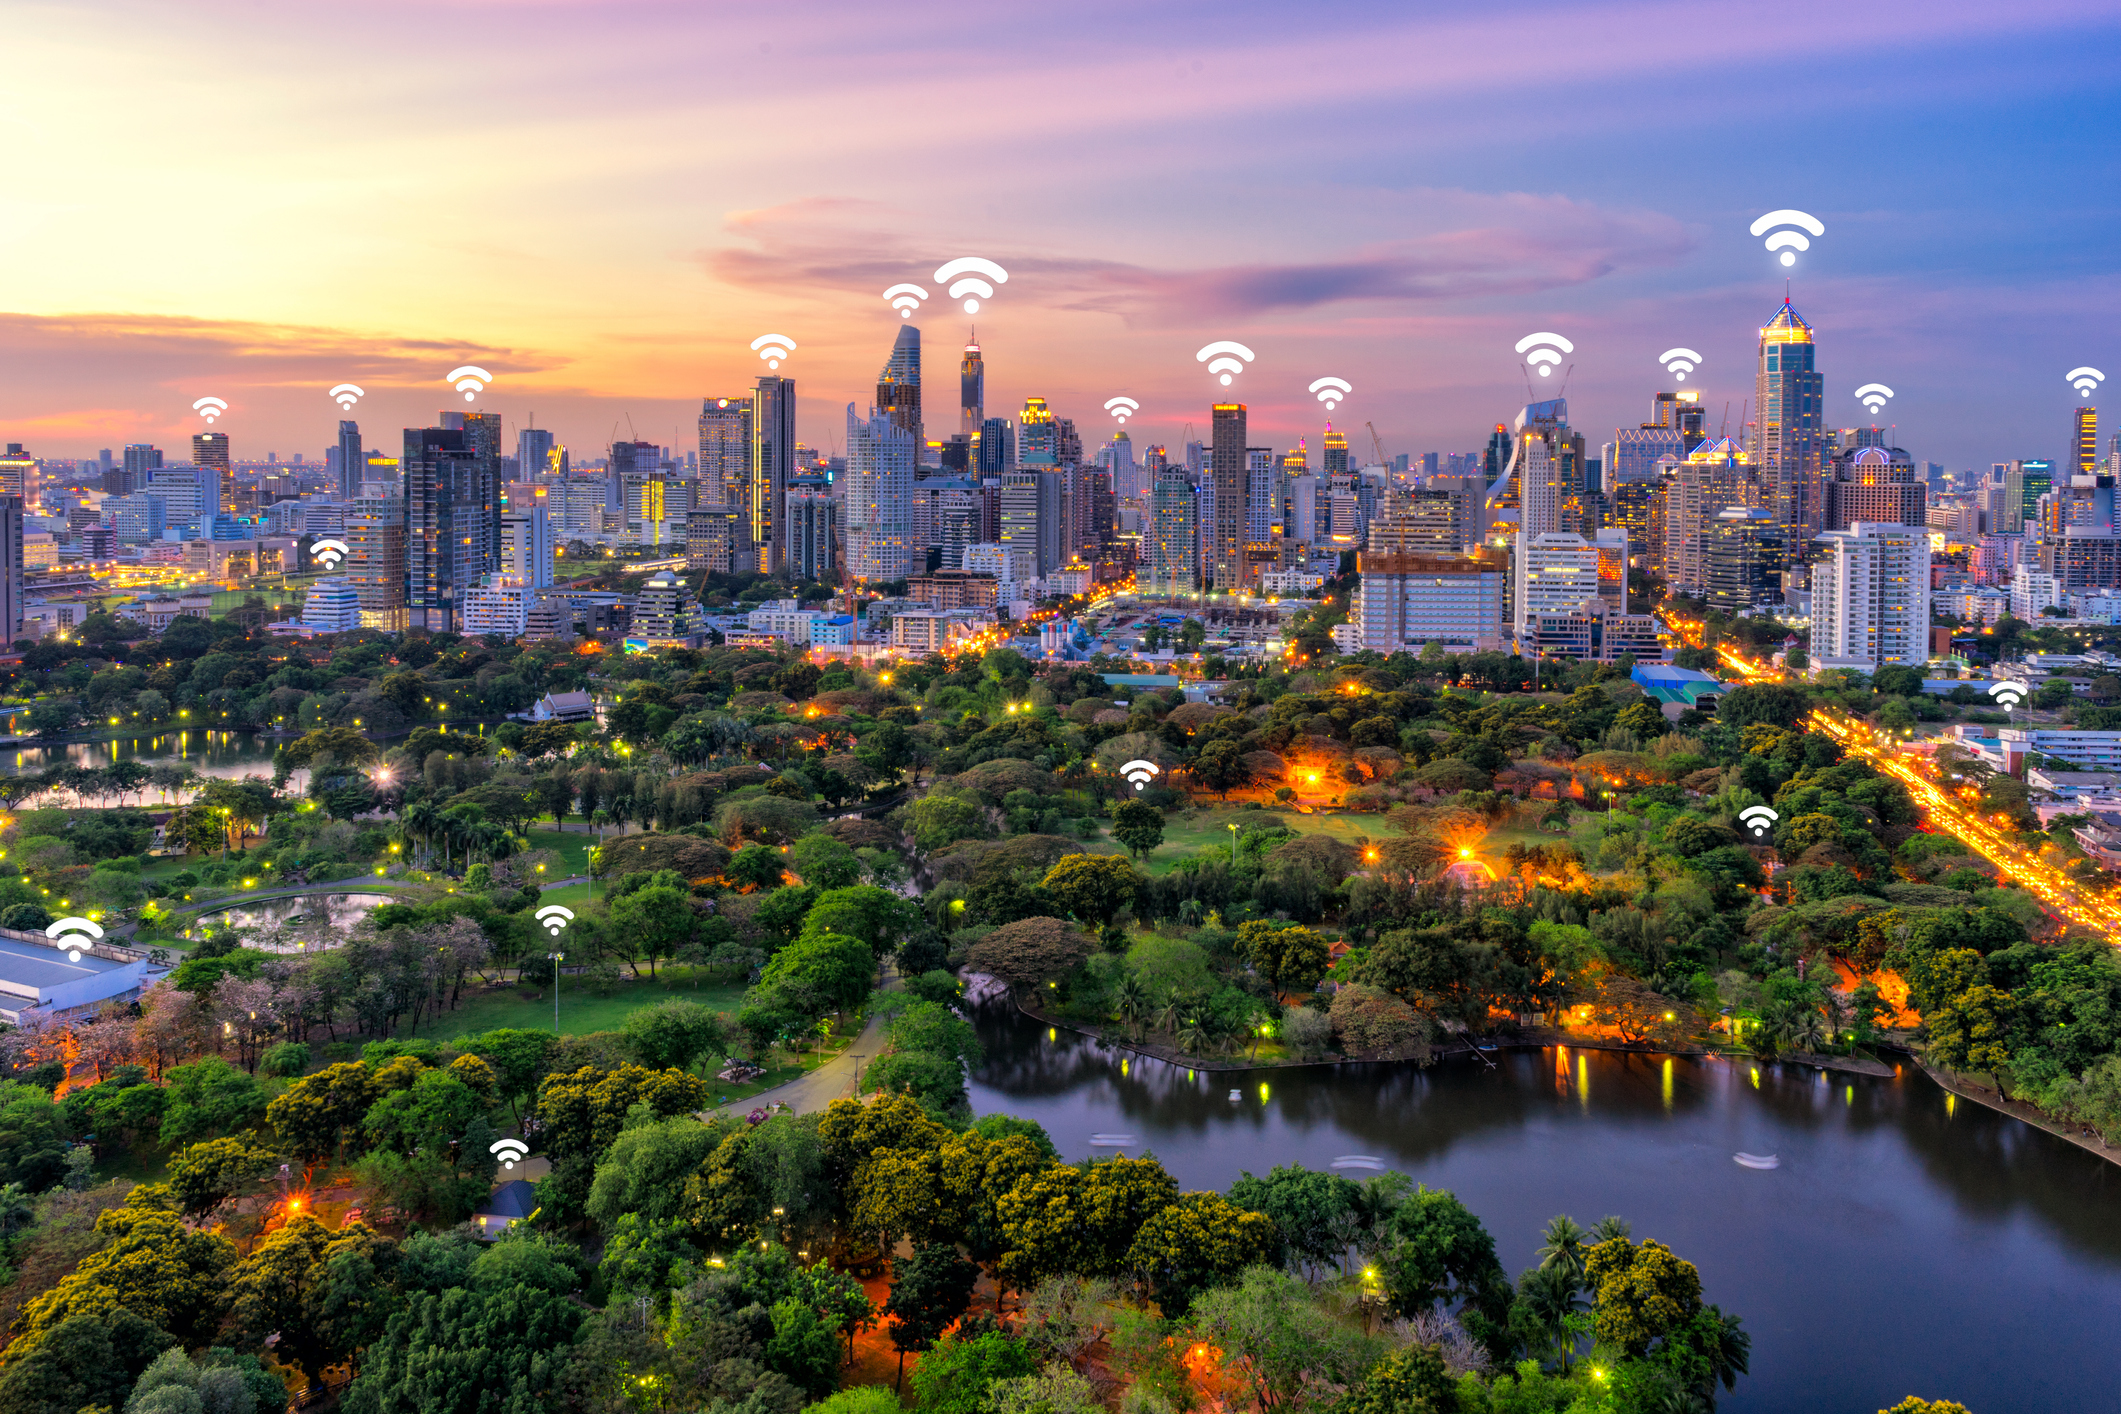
605, 203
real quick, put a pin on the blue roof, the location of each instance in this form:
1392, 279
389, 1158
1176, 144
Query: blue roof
1142, 680
516, 1198
1666, 675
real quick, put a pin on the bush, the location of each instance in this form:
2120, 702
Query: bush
284, 1061
1369, 1020
1307, 1032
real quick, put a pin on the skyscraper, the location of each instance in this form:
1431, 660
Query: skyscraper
210, 449
11, 567
1712, 477
1033, 516
1335, 461
526, 547
972, 389
1871, 598
997, 448
880, 462
2084, 445
1226, 467
898, 386
773, 466
353, 460
629, 463
717, 531
534, 457
442, 512
1788, 451
1037, 436
1173, 538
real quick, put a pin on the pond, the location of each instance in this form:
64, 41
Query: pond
299, 922
211, 753
1905, 1242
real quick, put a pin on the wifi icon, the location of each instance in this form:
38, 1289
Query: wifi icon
470, 380
905, 299
1679, 362
1544, 351
329, 552
1331, 390
1228, 358
2085, 380
2009, 692
209, 408
1139, 772
74, 934
346, 395
1121, 407
555, 917
966, 272
509, 1151
1759, 819
1789, 242
1873, 396
773, 348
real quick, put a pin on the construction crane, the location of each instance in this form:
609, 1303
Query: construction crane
1377, 445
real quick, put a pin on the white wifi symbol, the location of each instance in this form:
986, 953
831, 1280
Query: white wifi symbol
209, 408
347, 394
1120, 407
905, 299
554, 917
1759, 819
470, 380
1221, 352
73, 934
2009, 692
1139, 772
1873, 396
1789, 242
509, 1151
1679, 362
773, 348
1545, 351
329, 552
965, 272
1331, 390
2085, 380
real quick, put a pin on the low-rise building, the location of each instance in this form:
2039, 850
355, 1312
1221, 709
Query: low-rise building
499, 603
333, 606
1407, 602
40, 979
1676, 690
934, 630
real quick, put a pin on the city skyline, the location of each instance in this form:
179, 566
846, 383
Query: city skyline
1407, 257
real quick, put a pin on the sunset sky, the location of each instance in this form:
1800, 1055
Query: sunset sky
604, 203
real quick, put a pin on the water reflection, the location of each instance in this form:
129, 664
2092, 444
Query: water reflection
210, 753
1896, 1224
299, 922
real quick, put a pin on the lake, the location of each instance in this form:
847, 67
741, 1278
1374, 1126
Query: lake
285, 924
231, 755
1908, 1242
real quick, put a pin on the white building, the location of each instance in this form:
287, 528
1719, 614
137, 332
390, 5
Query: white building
2032, 591
1290, 582
1973, 604
663, 610
331, 606
784, 618
499, 603
933, 631
1556, 573
1871, 598
879, 498
526, 547
1407, 602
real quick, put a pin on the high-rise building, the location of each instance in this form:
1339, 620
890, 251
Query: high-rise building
1423, 522
526, 547
1174, 563
1747, 551
17, 469
141, 463
1262, 494
11, 566
2084, 444
972, 389
773, 467
898, 386
1407, 601
1611, 543
1037, 436
1871, 598
1117, 457
1871, 486
2035, 479
375, 559
1545, 470
1556, 571
1227, 460
813, 531
629, 463
725, 478
1335, 456
1711, 478
880, 462
997, 448
1033, 517
535, 457
352, 459
1788, 449
445, 518
210, 450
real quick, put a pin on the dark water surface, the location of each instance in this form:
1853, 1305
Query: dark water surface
1908, 1243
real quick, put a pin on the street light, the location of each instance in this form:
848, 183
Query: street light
1233, 844
557, 959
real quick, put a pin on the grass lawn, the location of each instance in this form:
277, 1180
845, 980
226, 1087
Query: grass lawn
581, 1009
573, 896
1187, 834
572, 846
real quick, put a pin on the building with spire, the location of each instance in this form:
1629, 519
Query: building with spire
972, 390
1788, 451
2084, 443
898, 387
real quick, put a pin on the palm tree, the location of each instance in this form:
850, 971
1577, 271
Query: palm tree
1562, 1245
1609, 1229
1195, 1032
1552, 1297
1132, 1003
1803, 1031
419, 820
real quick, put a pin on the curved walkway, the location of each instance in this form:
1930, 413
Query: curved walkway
836, 1079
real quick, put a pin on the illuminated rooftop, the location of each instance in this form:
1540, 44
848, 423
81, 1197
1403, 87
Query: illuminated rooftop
1786, 326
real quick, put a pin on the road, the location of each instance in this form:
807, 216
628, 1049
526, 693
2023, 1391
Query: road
2061, 895
834, 1080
